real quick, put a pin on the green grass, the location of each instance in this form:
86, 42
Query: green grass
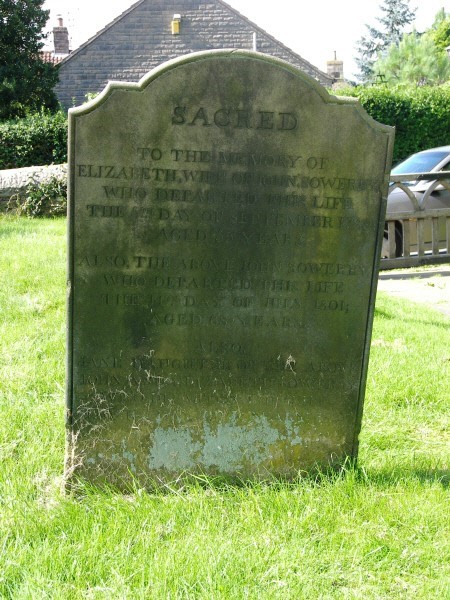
379, 531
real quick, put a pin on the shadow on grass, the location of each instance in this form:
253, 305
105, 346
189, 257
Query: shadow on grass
189, 483
386, 477
405, 274
414, 321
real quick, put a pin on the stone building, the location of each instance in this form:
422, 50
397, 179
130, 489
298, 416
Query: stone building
151, 32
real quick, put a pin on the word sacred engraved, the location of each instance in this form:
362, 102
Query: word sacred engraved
235, 118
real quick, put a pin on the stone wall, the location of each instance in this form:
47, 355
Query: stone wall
141, 38
14, 182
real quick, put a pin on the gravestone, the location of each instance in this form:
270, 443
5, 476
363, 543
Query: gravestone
225, 223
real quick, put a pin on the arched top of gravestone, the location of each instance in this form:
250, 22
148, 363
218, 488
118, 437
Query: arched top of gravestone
223, 56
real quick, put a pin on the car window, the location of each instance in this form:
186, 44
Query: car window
419, 163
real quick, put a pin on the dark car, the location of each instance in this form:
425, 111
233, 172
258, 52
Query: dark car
417, 194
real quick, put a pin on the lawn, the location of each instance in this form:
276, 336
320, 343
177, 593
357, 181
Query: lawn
377, 531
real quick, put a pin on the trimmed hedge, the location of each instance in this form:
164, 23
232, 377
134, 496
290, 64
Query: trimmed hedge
421, 116
39, 139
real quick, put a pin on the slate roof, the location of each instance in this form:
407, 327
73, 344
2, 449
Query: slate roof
140, 39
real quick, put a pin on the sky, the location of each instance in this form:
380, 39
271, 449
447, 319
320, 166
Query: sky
315, 30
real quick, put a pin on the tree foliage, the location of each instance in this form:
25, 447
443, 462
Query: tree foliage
26, 82
397, 15
440, 31
416, 60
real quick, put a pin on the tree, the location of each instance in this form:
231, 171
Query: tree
397, 15
26, 82
440, 30
416, 60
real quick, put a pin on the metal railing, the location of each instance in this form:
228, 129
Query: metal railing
420, 235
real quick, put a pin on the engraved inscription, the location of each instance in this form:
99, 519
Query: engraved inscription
234, 118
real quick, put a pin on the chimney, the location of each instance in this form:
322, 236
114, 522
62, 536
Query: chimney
61, 37
335, 68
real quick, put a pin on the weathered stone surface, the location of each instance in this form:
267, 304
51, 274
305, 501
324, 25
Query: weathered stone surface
225, 220
14, 182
